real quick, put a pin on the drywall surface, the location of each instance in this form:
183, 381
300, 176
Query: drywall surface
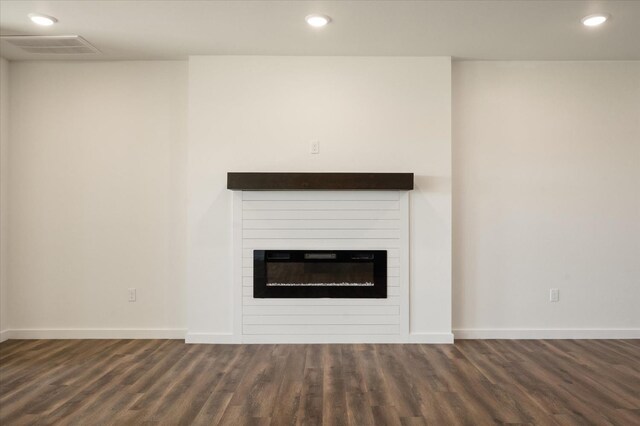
369, 114
97, 198
4, 196
546, 195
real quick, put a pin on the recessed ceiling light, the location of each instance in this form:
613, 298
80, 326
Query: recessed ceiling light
317, 20
40, 19
595, 20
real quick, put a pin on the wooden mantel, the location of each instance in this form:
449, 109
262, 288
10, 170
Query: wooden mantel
281, 181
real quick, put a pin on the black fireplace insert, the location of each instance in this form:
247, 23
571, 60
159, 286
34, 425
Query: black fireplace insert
320, 274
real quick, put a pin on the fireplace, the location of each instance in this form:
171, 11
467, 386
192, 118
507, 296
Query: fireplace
320, 257
319, 273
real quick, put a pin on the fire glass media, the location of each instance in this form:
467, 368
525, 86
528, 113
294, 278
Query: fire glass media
320, 273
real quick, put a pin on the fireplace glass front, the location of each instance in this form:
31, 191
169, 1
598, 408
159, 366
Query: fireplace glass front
320, 273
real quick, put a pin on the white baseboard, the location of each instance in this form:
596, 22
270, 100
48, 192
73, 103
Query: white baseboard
565, 333
98, 333
5, 335
226, 338
433, 338
319, 338
221, 338
211, 338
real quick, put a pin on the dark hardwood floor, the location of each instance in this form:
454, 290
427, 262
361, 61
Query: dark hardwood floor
94, 382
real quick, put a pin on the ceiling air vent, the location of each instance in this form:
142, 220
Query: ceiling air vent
56, 45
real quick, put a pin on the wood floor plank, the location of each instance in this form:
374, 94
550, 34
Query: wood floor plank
311, 405
165, 382
334, 399
398, 382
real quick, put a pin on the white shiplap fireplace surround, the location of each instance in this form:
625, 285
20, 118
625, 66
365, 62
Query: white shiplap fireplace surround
360, 216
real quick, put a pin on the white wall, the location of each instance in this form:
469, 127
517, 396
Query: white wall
547, 166
97, 198
370, 114
547, 194
4, 192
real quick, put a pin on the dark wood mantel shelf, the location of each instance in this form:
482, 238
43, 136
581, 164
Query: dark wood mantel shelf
258, 181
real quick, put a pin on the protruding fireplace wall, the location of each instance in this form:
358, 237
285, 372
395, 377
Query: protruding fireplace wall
370, 114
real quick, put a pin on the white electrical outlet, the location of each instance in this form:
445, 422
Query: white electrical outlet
132, 295
314, 147
554, 295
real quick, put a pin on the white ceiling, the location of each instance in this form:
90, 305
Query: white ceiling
478, 29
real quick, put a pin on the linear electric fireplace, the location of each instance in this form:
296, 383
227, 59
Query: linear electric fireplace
320, 273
